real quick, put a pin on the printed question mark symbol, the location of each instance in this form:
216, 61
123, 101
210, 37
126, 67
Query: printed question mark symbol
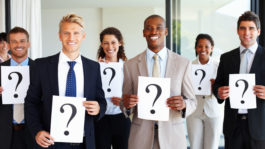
18, 82
71, 117
203, 76
112, 75
159, 91
245, 89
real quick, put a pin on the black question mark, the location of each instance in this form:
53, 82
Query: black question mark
159, 91
112, 75
203, 76
18, 82
71, 117
245, 89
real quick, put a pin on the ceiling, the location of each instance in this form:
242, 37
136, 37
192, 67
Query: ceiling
55, 4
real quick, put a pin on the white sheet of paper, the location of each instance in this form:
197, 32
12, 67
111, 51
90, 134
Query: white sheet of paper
111, 74
201, 76
149, 89
63, 128
241, 92
15, 82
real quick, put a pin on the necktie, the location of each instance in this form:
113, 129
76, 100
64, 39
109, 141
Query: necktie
156, 66
18, 111
71, 81
244, 61
244, 69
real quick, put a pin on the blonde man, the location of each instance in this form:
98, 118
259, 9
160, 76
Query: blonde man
50, 78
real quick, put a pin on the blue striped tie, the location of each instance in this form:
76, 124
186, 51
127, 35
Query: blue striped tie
71, 81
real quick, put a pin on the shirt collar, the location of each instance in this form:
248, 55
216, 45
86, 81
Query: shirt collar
252, 48
64, 59
23, 63
208, 63
162, 54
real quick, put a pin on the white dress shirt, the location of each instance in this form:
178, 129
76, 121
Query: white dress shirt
250, 58
63, 68
162, 61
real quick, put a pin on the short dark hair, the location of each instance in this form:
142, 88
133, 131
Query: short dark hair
112, 31
3, 37
203, 36
154, 16
249, 16
17, 30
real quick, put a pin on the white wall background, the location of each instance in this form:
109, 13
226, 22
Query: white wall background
129, 20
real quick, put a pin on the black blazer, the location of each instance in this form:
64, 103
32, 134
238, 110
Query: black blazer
6, 116
44, 85
230, 64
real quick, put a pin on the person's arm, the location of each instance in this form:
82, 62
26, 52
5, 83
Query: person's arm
97, 108
220, 89
33, 109
129, 100
187, 93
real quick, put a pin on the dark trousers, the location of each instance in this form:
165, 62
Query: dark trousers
21, 139
112, 130
58, 145
241, 138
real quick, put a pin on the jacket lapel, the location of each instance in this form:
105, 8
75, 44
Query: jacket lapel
170, 63
53, 74
142, 66
235, 61
86, 75
257, 60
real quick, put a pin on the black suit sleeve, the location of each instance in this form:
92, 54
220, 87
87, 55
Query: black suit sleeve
219, 81
33, 102
100, 96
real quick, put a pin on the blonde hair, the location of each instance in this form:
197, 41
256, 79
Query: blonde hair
71, 18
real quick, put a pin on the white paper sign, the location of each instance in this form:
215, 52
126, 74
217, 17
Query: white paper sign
111, 76
153, 93
241, 92
68, 118
201, 76
15, 82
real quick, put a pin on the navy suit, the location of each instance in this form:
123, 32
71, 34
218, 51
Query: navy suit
6, 116
230, 64
44, 85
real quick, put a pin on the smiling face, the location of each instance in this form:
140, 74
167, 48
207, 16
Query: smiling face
155, 33
204, 49
4, 47
248, 33
19, 45
110, 45
71, 36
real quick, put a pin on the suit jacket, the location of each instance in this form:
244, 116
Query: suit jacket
6, 116
230, 64
171, 133
45, 84
207, 103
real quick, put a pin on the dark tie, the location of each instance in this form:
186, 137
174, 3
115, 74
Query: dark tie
71, 81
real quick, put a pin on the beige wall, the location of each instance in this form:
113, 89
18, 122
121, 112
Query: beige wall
128, 20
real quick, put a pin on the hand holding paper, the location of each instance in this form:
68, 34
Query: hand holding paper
176, 103
130, 101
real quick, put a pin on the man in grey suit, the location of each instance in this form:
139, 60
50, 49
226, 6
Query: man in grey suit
148, 134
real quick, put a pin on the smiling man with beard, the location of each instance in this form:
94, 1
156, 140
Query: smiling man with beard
13, 127
148, 134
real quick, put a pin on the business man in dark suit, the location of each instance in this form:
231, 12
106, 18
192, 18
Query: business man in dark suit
243, 128
50, 77
14, 132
